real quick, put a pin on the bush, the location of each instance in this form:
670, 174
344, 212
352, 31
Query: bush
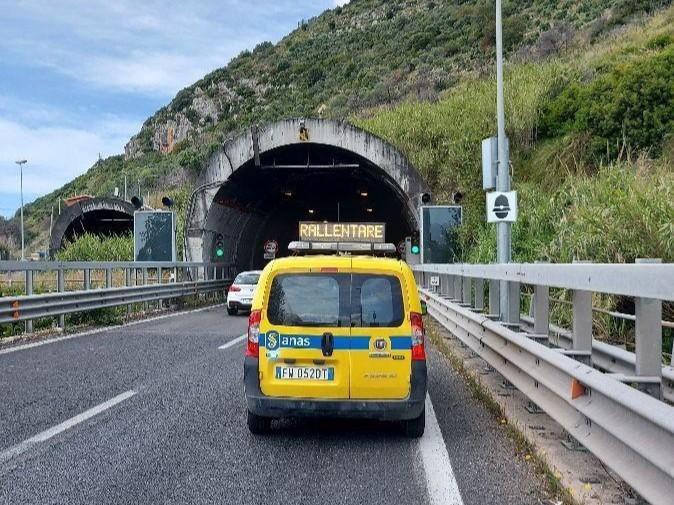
89, 247
631, 106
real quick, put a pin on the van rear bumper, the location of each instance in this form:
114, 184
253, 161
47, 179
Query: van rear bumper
384, 410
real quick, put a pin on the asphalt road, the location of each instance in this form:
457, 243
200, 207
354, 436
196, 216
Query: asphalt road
155, 413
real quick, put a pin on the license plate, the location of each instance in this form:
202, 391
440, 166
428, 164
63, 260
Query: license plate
305, 373
246, 300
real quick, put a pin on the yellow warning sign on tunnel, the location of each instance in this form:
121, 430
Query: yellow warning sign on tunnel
342, 232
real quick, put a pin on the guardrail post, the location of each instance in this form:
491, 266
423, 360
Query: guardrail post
479, 295
458, 285
466, 292
648, 340
144, 279
108, 278
494, 297
443, 285
160, 273
541, 305
87, 279
29, 291
582, 324
512, 316
127, 283
60, 285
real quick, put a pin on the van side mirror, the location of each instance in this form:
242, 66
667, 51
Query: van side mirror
424, 308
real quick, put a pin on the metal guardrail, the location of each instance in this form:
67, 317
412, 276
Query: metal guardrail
629, 428
139, 286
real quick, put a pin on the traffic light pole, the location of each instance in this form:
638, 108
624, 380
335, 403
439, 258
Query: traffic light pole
503, 241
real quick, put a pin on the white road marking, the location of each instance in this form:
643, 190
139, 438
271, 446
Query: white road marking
232, 343
106, 328
440, 480
60, 428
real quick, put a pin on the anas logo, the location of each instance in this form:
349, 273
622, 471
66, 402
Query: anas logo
380, 344
273, 340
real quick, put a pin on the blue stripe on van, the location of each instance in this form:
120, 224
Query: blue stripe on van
354, 343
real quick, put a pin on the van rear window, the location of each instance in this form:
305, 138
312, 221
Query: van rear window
336, 300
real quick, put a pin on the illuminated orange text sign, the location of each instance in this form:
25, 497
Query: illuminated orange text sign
342, 232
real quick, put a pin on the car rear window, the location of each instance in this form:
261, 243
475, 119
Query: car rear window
247, 278
377, 301
309, 300
336, 300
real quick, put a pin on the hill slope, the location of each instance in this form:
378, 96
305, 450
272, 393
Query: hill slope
367, 54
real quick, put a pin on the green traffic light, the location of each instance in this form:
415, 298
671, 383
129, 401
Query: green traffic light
415, 249
219, 253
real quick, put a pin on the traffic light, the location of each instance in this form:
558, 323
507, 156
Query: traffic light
219, 246
416, 245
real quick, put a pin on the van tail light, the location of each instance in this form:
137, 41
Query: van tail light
234, 288
253, 347
418, 337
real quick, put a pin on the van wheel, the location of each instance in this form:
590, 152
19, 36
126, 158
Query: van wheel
232, 311
258, 425
414, 428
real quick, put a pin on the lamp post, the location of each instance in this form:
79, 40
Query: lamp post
504, 242
21, 163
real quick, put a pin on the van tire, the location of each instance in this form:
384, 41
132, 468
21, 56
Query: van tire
414, 428
232, 311
258, 425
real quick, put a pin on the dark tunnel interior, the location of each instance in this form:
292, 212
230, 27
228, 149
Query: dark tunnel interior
301, 182
102, 222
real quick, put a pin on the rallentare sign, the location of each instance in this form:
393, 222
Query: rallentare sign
342, 232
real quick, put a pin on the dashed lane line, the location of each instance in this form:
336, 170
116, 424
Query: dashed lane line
440, 480
24, 446
232, 343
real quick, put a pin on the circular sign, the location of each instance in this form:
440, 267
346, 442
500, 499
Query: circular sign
401, 247
271, 247
501, 206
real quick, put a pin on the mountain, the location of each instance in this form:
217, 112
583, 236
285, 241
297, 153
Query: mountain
355, 62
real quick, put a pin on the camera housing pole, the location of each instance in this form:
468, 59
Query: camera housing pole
503, 241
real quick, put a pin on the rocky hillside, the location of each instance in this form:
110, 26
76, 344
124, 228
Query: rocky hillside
365, 55
368, 53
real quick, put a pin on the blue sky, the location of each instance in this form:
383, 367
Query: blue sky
79, 77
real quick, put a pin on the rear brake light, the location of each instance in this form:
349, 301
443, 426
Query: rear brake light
253, 347
329, 270
234, 288
418, 337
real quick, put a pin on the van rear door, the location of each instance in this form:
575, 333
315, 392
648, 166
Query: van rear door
305, 331
381, 333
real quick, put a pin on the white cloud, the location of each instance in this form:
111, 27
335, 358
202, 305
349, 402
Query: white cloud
148, 47
57, 154
339, 3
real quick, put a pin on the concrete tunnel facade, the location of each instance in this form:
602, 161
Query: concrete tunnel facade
99, 216
260, 184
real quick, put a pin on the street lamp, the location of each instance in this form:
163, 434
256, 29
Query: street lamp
21, 163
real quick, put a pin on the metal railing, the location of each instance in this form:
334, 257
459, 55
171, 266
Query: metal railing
137, 282
629, 428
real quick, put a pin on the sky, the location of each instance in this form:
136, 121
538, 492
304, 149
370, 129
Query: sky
79, 77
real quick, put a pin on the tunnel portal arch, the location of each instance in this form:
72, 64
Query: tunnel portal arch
100, 216
259, 184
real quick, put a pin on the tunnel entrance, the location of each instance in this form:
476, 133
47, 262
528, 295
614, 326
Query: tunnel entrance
265, 182
98, 216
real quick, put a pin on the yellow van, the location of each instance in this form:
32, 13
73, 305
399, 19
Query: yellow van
336, 336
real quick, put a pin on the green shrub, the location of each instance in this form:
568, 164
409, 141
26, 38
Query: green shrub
89, 247
630, 107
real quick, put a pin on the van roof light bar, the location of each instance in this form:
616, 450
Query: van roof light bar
300, 246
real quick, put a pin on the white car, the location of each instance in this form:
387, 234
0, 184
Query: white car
240, 294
